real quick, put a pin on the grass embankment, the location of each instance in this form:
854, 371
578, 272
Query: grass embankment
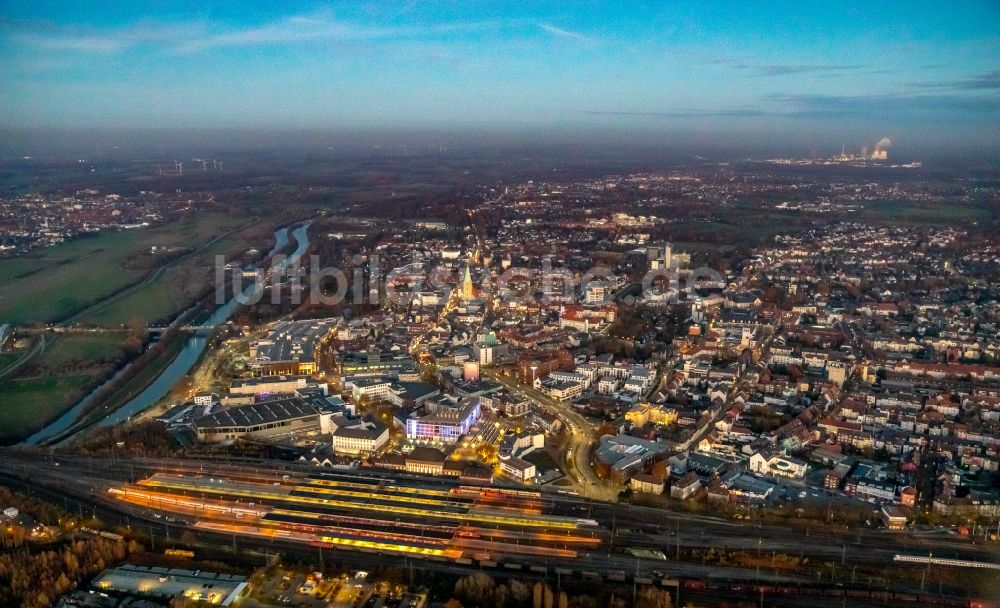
26, 404
146, 371
8, 359
82, 349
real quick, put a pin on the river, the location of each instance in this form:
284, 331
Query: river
177, 368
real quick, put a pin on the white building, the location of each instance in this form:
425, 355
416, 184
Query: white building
360, 438
205, 399
571, 377
485, 354
561, 391
763, 463
607, 386
368, 388
521, 470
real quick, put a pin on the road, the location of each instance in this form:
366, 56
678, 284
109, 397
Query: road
581, 440
581, 431
40, 345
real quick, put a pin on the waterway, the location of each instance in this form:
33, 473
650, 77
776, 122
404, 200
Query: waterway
179, 367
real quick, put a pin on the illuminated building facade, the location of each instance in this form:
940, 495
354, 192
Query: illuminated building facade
445, 425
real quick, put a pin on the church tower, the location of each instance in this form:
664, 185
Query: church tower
467, 290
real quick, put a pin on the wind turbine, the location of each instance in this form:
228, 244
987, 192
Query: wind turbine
180, 167
204, 166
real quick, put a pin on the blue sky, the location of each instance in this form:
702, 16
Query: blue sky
920, 70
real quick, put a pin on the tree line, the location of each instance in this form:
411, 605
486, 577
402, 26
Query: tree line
38, 579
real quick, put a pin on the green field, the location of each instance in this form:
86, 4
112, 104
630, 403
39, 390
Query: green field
8, 358
25, 404
936, 214
56, 282
177, 287
152, 302
718, 231
58, 378
86, 348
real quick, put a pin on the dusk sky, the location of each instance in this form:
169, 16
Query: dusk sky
916, 70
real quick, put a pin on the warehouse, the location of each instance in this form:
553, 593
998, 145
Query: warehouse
165, 583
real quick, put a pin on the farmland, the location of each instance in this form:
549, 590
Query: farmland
931, 214
27, 403
57, 282
81, 350
55, 379
112, 280
174, 288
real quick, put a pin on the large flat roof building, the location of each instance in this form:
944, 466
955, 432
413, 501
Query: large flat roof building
373, 362
264, 419
291, 347
622, 455
165, 583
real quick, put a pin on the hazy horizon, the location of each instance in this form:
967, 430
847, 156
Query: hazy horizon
562, 140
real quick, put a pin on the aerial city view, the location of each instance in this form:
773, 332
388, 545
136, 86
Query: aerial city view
490, 304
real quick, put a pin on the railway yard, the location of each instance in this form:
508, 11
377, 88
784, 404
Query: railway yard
371, 518
400, 516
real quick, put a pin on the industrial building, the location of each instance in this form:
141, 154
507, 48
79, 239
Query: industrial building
167, 583
622, 455
259, 420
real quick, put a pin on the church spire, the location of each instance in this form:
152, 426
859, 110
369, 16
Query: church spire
467, 290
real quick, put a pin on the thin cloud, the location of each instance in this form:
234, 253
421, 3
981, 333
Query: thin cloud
983, 82
196, 36
71, 43
890, 106
780, 69
791, 69
683, 113
564, 33
46, 36
301, 28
